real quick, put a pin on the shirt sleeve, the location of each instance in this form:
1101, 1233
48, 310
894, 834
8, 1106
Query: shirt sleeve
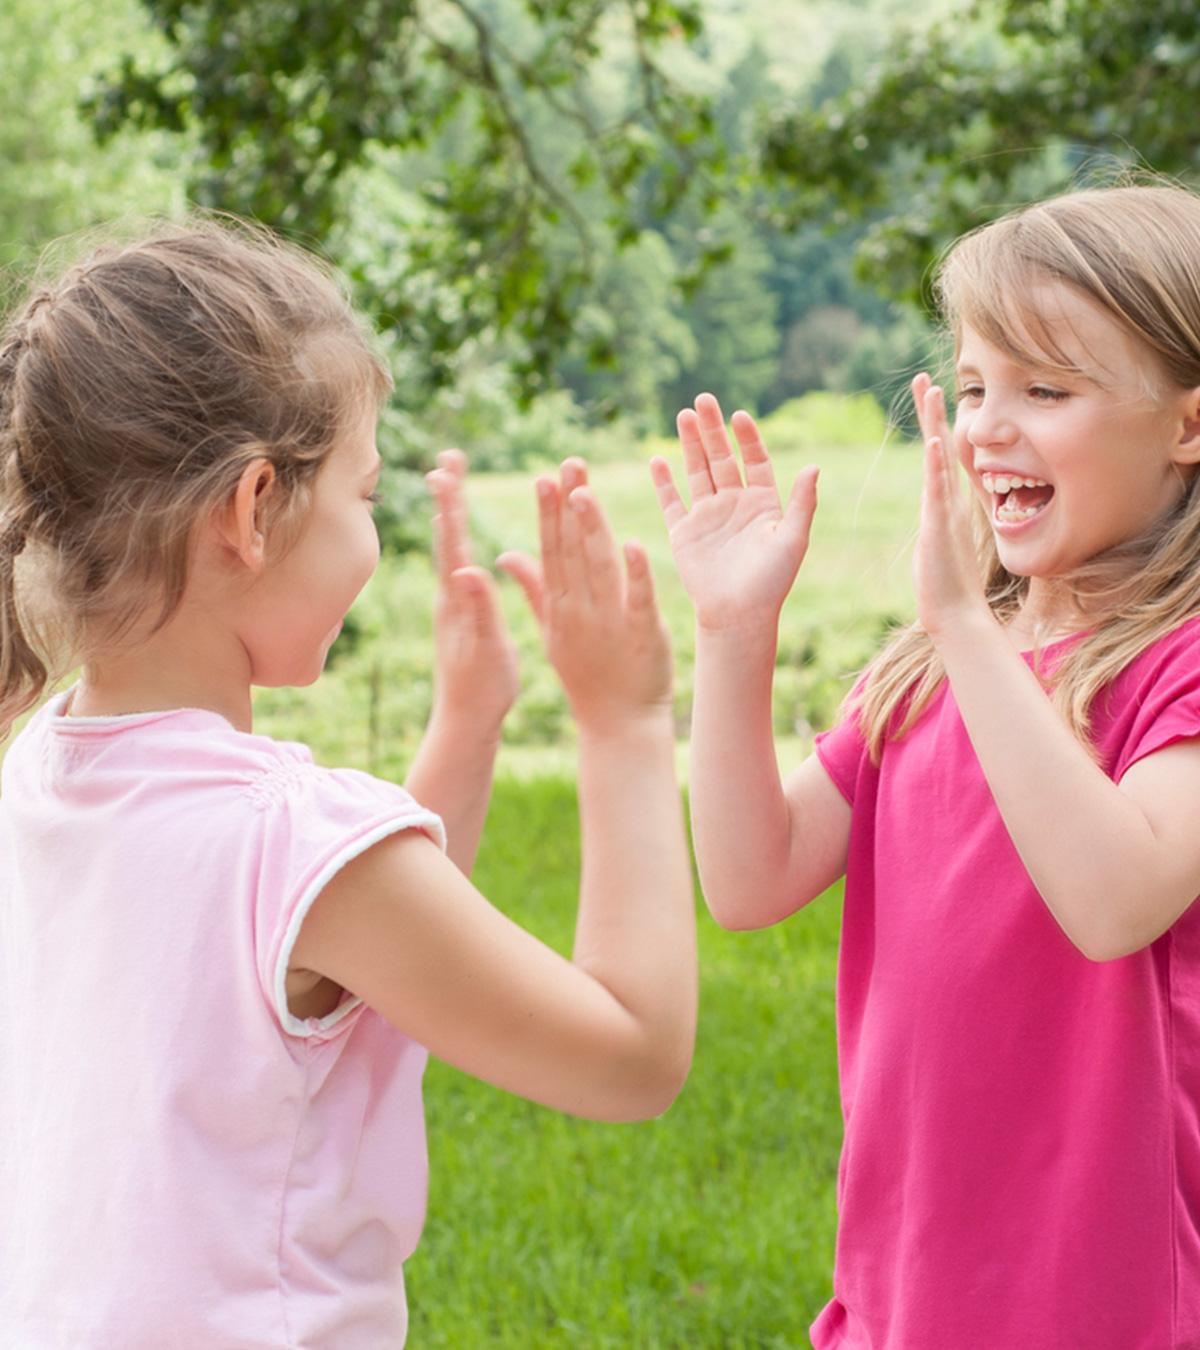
316, 821
841, 752
1165, 699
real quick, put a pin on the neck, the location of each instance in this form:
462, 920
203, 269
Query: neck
1049, 610
178, 667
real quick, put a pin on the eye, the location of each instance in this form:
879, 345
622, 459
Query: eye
969, 392
1044, 394
375, 498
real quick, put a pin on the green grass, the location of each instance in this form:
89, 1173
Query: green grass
710, 1227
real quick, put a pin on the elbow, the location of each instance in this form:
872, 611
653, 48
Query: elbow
1103, 943
744, 914
652, 1084
654, 1097
1101, 950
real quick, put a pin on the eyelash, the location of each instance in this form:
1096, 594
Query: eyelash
375, 498
1038, 391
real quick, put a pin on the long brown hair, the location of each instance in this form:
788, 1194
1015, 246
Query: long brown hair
135, 386
1135, 252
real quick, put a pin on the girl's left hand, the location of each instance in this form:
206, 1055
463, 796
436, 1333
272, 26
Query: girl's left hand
945, 567
475, 659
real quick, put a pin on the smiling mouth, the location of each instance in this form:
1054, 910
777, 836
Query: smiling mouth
1016, 500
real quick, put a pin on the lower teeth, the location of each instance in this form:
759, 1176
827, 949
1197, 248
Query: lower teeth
1013, 513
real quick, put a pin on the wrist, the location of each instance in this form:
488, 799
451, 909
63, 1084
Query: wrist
757, 628
643, 722
964, 630
465, 723
752, 646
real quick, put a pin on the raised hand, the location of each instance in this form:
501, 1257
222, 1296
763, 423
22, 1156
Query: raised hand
737, 551
600, 623
945, 568
475, 661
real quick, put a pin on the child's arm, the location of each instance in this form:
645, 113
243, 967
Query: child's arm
763, 848
475, 676
1116, 864
609, 1034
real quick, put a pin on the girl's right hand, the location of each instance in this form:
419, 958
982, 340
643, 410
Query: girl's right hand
600, 623
737, 552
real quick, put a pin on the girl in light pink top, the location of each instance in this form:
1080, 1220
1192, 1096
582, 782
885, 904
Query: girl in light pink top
223, 965
1013, 795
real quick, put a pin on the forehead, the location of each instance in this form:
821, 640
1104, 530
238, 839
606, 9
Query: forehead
354, 454
1054, 327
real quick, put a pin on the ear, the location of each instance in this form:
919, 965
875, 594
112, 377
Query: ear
1187, 448
240, 524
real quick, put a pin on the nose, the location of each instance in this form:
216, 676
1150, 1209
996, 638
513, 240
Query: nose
988, 424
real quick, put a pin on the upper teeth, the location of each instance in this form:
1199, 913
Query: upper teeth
1003, 483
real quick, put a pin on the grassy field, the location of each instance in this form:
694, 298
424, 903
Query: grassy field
711, 1227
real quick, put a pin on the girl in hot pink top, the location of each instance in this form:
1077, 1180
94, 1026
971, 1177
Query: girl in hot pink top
223, 965
1012, 795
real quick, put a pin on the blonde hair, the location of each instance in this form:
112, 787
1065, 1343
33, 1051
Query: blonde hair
1135, 252
135, 387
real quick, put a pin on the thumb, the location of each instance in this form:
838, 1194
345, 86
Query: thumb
475, 589
801, 507
527, 573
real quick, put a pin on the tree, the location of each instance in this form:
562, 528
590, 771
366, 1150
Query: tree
53, 179
994, 103
285, 99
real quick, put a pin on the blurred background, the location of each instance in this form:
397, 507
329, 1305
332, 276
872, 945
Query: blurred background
565, 220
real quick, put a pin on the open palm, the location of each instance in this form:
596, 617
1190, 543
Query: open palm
737, 551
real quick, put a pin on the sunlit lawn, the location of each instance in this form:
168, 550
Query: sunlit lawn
711, 1227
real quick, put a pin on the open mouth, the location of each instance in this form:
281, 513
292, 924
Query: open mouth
1016, 500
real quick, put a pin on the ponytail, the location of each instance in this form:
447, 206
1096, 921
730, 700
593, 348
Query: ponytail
23, 673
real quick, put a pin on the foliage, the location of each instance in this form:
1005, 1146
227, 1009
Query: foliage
998, 101
53, 179
285, 99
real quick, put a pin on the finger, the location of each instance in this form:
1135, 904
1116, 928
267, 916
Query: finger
936, 479
452, 541
599, 548
722, 466
527, 573
574, 564
941, 424
477, 592
453, 461
550, 536
695, 463
935, 418
801, 507
920, 384
669, 500
759, 472
572, 474
639, 595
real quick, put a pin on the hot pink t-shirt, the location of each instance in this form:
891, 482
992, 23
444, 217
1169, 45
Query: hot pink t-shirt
1021, 1165
183, 1164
